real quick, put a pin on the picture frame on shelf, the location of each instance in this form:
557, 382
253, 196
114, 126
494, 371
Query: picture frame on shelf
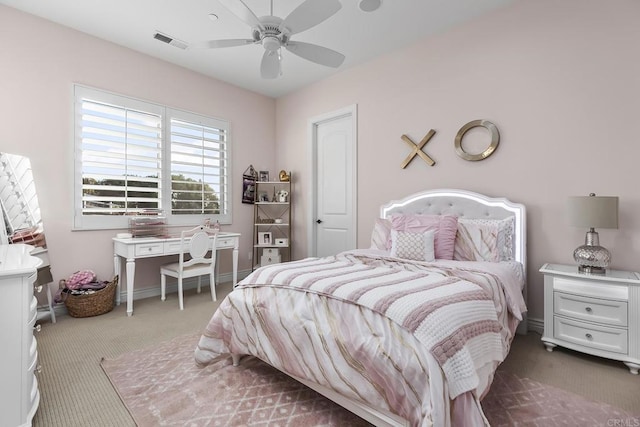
281, 242
249, 178
264, 238
263, 197
264, 176
248, 189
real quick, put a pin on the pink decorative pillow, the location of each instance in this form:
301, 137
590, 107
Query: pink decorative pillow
381, 235
445, 226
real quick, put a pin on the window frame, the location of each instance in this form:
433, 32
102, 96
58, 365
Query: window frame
105, 222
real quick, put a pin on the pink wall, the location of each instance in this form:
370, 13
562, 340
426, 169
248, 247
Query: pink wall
561, 80
40, 61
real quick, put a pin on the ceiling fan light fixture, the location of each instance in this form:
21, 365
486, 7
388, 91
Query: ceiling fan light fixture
369, 5
271, 44
274, 33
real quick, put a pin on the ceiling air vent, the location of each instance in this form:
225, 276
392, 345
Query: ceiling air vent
170, 40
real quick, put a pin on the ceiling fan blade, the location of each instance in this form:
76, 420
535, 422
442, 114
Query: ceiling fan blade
314, 53
270, 66
242, 11
215, 44
309, 14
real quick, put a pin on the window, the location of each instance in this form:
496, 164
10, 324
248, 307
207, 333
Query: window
134, 156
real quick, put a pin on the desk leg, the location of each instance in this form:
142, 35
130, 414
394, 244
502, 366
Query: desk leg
131, 272
117, 272
235, 265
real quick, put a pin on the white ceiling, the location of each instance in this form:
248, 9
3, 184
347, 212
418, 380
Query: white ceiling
359, 35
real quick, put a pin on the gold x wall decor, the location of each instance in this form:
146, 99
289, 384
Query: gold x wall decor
417, 149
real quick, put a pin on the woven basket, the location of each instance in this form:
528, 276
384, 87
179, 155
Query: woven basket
94, 304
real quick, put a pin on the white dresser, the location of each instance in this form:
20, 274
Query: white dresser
19, 395
594, 314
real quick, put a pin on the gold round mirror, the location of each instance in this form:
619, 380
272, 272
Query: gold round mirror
495, 140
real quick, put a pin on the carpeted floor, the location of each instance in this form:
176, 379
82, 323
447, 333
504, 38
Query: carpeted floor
162, 386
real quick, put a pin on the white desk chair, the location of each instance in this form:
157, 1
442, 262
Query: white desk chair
197, 242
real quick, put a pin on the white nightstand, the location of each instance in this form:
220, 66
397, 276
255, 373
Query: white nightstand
594, 314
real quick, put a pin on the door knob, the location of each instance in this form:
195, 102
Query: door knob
319, 221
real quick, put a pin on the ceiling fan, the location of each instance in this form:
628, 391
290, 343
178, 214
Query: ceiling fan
273, 33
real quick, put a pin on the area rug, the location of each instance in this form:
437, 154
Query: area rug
514, 401
162, 386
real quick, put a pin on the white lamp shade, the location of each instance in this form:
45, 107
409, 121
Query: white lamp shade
593, 211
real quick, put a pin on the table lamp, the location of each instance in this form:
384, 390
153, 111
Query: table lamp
593, 212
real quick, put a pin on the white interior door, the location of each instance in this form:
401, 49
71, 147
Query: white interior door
334, 220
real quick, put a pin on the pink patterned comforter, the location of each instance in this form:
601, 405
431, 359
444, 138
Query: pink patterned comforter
406, 337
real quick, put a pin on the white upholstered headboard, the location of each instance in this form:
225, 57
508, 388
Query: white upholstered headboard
464, 204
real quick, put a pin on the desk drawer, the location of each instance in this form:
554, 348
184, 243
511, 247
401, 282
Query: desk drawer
605, 311
148, 249
225, 242
590, 335
174, 247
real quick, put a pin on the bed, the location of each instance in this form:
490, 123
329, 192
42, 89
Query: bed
407, 332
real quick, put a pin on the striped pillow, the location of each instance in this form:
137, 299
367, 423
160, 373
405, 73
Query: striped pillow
484, 240
381, 235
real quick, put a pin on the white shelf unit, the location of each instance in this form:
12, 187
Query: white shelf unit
271, 223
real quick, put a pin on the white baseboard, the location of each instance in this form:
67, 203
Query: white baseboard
536, 325
151, 292
191, 283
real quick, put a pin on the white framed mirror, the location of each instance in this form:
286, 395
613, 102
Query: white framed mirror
19, 202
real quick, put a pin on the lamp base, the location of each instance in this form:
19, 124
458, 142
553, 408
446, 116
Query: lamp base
587, 269
591, 257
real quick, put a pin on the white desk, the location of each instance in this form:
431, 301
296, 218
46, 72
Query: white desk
132, 249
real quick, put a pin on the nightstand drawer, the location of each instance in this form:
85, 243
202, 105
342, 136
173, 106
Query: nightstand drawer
588, 335
591, 309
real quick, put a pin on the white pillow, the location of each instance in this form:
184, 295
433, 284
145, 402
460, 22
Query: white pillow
413, 246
